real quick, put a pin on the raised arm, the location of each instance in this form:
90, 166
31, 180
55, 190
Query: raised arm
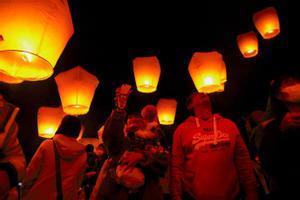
113, 135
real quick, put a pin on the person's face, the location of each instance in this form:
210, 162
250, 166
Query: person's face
202, 106
290, 94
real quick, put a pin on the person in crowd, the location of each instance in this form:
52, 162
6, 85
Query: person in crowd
12, 160
91, 170
57, 168
136, 158
278, 136
209, 158
252, 121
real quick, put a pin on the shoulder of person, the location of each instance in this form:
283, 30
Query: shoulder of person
46, 144
226, 121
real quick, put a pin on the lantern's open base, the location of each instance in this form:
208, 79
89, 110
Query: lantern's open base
76, 109
250, 53
46, 135
24, 65
9, 79
271, 34
146, 88
211, 88
166, 122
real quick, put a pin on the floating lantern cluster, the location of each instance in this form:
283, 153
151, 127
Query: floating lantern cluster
30, 46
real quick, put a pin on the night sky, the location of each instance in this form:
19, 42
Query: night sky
109, 35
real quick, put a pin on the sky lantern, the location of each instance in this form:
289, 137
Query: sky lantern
9, 79
146, 72
76, 88
248, 44
267, 23
33, 35
49, 119
166, 111
208, 71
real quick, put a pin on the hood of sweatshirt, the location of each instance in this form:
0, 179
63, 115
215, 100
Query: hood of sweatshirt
194, 121
68, 147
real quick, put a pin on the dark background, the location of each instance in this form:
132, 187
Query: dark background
109, 34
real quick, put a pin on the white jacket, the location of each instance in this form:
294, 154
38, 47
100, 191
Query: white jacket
40, 179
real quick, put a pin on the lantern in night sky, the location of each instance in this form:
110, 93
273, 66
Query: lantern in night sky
166, 111
33, 34
76, 88
9, 79
208, 71
146, 72
49, 119
267, 23
248, 44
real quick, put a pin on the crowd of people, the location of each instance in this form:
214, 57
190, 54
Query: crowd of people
211, 158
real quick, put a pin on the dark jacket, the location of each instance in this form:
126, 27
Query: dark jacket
279, 154
116, 144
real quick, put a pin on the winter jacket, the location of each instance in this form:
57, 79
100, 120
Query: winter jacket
210, 161
11, 155
40, 179
12, 159
278, 151
115, 142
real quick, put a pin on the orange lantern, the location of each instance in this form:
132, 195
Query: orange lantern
33, 35
9, 79
146, 72
208, 71
49, 119
248, 44
166, 111
267, 23
76, 88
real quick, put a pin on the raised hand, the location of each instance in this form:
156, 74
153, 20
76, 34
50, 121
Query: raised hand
122, 94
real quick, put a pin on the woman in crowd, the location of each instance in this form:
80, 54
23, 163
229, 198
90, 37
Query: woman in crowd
57, 168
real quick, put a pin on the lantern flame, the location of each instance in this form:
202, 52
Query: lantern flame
27, 57
208, 81
146, 84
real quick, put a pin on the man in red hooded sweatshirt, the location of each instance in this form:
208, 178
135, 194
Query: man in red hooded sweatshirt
209, 158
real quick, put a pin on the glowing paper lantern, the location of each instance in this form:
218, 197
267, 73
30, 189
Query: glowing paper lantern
146, 72
248, 44
166, 111
33, 35
267, 23
9, 79
49, 119
76, 88
208, 71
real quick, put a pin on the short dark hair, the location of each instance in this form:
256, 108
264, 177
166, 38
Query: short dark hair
70, 126
191, 97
